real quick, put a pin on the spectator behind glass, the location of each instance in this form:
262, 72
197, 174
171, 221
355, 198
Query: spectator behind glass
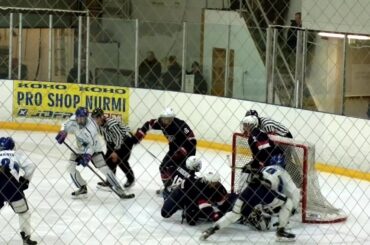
149, 72
24, 70
200, 84
292, 32
172, 78
73, 72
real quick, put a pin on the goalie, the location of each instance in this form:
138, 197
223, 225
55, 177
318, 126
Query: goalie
269, 188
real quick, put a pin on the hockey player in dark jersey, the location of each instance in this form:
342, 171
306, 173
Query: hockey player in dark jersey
209, 200
119, 145
181, 141
264, 150
269, 187
183, 180
269, 125
197, 197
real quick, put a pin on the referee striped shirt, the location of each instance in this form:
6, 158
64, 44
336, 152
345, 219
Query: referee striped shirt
273, 127
114, 132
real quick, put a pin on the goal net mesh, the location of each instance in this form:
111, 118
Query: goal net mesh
300, 164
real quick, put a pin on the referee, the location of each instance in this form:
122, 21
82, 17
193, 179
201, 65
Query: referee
119, 145
270, 126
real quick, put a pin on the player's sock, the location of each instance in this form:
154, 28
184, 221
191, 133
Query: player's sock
27, 239
80, 193
283, 236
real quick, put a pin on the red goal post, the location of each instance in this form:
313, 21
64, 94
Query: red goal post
300, 164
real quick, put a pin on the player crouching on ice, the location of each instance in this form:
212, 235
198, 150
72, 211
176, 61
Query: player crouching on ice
88, 149
12, 185
269, 188
198, 197
181, 141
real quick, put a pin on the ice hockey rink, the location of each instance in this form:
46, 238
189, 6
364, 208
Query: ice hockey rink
102, 218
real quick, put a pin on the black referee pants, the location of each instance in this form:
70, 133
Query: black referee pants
124, 154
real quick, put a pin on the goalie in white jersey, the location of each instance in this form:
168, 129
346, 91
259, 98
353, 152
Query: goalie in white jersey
269, 190
88, 149
12, 184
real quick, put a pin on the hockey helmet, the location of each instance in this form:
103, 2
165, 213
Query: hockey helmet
248, 124
82, 112
97, 112
193, 163
166, 117
6, 143
251, 113
81, 115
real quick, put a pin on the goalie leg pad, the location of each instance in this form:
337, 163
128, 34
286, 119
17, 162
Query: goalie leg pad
285, 213
19, 206
232, 216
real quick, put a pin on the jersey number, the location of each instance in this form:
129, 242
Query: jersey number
271, 171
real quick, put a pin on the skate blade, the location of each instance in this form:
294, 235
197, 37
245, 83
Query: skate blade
104, 188
130, 186
81, 196
285, 239
128, 196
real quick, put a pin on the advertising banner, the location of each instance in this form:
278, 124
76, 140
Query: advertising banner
51, 100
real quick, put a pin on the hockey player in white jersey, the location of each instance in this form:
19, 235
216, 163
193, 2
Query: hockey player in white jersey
12, 184
88, 149
269, 190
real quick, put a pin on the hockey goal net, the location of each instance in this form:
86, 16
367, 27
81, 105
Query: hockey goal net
300, 163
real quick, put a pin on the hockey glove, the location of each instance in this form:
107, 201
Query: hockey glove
24, 183
180, 154
61, 136
83, 159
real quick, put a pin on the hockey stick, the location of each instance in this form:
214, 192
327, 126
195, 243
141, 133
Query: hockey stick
98, 175
146, 149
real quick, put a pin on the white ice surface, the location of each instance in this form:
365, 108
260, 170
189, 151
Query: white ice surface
104, 219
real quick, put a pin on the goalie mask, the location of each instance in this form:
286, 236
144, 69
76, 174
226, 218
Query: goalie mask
248, 124
193, 163
166, 117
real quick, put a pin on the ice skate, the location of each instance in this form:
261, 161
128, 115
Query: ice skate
27, 239
80, 193
283, 236
122, 194
104, 186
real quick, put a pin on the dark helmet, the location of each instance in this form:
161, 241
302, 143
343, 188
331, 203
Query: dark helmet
251, 113
6, 143
81, 112
97, 112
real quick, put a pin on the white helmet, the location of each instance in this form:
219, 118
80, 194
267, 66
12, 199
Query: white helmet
211, 177
248, 123
167, 113
193, 163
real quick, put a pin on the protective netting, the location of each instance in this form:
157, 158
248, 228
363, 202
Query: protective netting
210, 61
300, 164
